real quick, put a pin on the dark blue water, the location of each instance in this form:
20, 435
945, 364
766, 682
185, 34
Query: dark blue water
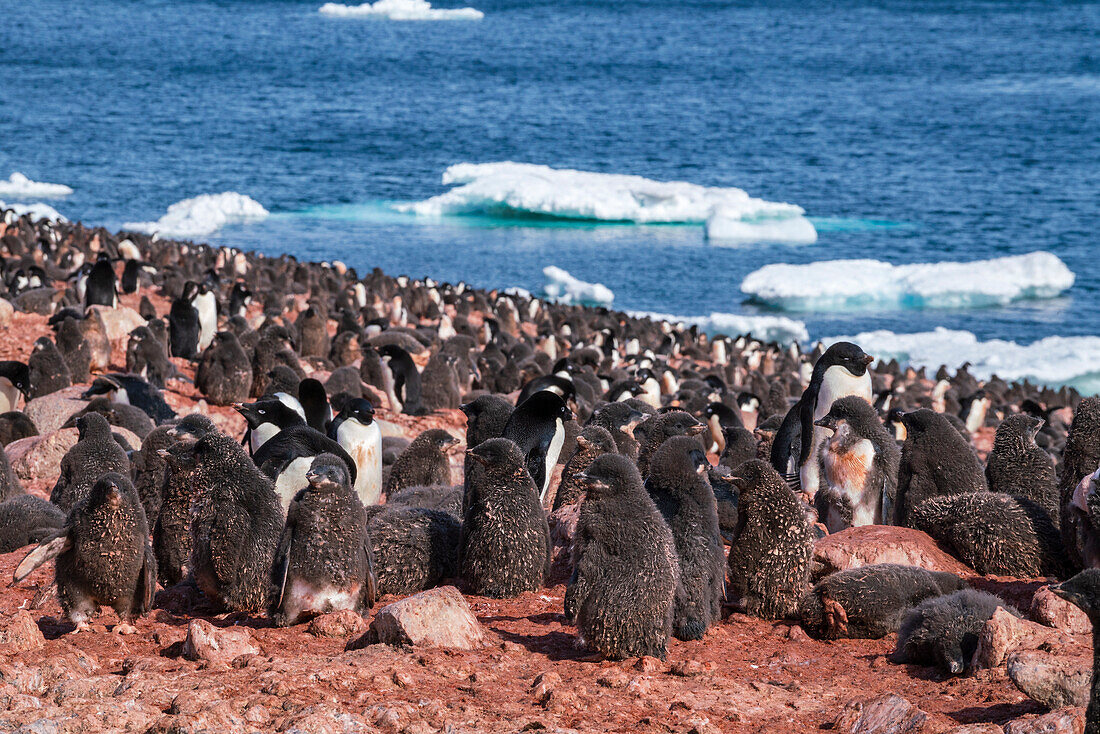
974, 125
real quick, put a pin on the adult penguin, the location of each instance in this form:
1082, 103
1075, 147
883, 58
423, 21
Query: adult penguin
183, 324
287, 457
101, 288
841, 371
205, 304
406, 378
355, 429
537, 426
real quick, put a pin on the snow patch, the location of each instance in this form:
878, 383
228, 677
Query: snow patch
203, 215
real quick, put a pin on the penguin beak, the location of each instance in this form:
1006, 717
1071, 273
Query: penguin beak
696, 429
826, 421
583, 442
164, 453
478, 457
868, 359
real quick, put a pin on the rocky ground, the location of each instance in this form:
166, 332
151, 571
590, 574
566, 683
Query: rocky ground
188, 671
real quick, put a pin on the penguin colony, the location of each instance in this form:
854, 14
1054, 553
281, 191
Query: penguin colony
703, 468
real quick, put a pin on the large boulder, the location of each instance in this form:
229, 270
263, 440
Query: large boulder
49, 412
868, 544
437, 617
1066, 721
217, 645
39, 457
888, 714
1054, 680
1005, 633
118, 322
1052, 610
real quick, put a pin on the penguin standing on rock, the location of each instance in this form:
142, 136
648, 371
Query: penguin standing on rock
103, 556
935, 460
323, 562
424, 463
96, 453
355, 429
537, 427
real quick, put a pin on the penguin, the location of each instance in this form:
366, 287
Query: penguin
769, 560
1018, 467
313, 339
740, 446
626, 572
842, 370
659, 428
561, 386
681, 491
1083, 591
101, 286
96, 453
47, 368
943, 631
103, 556
76, 349
265, 419
117, 414
935, 460
147, 357
720, 417
355, 429
27, 520
593, 441
224, 373
869, 602
205, 304
859, 467
236, 522
323, 561
15, 381
439, 384
132, 390
286, 459
183, 324
406, 379
15, 425
377, 373
486, 417
414, 548
537, 427
1080, 458
505, 544
620, 420
423, 463
131, 275
314, 401
432, 497
240, 298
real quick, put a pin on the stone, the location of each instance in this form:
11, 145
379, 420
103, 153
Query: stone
1053, 679
868, 544
39, 457
1005, 633
1050, 609
7, 312
118, 322
343, 623
1066, 721
20, 633
976, 729
217, 645
888, 714
437, 617
49, 412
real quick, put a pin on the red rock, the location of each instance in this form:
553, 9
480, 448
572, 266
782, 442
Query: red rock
118, 322
20, 633
867, 544
217, 645
889, 714
1005, 633
435, 618
343, 623
1050, 609
49, 412
39, 457
7, 311
1065, 721
1053, 679
976, 729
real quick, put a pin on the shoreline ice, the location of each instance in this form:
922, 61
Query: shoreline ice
20, 186
37, 209
203, 215
763, 327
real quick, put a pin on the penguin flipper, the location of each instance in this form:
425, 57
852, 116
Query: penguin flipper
794, 481
47, 551
280, 567
147, 582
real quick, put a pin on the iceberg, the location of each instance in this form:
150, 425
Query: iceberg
203, 215
764, 327
37, 210
841, 285
564, 288
400, 10
19, 185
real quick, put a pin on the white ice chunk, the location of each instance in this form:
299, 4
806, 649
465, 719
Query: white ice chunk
19, 185
37, 210
400, 10
564, 288
203, 215
767, 328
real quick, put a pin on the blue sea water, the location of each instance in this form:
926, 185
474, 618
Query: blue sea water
908, 131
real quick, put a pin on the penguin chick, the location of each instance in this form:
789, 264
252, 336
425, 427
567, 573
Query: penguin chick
592, 442
486, 417
769, 561
994, 533
505, 545
1083, 591
27, 519
439, 389
935, 460
741, 446
236, 522
682, 493
10, 485
96, 453
625, 567
414, 548
868, 602
15, 425
620, 420
48, 370
224, 374
423, 463
103, 556
943, 631
1080, 458
658, 429
433, 497
147, 357
859, 467
1018, 467
323, 562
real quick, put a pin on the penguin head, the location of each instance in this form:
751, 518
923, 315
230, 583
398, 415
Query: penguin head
358, 409
1018, 431
42, 343
919, 421
103, 385
1083, 591
596, 437
851, 408
92, 426
609, 475
950, 655
499, 456
846, 355
109, 490
18, 374
183, 454
441, 439
191, 427
548, 405
328, 472
678, 462
753, 475
272, 411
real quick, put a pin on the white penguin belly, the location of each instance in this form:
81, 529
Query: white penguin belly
302, 597
292, 480
364, 445
208, 318
9, 395
552, 454
838, 383
262, 435
846, 471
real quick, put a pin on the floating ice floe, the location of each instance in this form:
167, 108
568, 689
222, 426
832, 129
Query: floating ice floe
540, 192
1053, 361
837, 285
37, 210
400, 10
767, 328
203, 215
21, 186
564, 288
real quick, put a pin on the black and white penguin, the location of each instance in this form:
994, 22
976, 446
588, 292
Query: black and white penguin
537, 426
265, 419
286, 459
240, 298
101, 287
132, 390
355, 429
205, 304
183, 324
406, 378
719, 417
15, 381
314, 401
131, 275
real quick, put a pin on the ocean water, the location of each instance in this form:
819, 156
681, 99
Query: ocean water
908, 132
